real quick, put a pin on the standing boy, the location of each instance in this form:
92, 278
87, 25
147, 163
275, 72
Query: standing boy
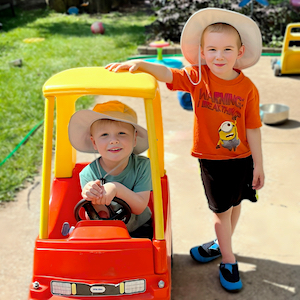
227, 138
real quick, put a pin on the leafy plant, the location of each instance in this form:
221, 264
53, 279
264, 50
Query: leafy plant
172, 15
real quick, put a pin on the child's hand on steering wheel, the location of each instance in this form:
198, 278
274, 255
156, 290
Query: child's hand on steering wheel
93, 191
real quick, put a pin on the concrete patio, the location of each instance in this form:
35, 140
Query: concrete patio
266, 241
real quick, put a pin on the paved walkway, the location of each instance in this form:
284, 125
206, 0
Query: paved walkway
266, 240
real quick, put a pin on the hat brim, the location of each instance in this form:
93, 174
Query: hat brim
247, 28
79, 131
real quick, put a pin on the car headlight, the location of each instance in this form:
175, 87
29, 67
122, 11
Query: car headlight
133, 286
61, 288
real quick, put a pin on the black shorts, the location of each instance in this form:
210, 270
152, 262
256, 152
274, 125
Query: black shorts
227, 182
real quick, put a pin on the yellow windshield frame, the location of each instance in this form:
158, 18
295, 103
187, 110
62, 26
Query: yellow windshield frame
62, 90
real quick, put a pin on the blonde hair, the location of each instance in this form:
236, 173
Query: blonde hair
222, 27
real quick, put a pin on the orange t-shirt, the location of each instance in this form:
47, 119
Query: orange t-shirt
223, 109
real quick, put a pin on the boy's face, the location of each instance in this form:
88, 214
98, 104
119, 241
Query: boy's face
220, 51
113, 140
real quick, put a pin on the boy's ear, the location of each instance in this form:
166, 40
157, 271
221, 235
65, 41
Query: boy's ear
93, 141
241, 52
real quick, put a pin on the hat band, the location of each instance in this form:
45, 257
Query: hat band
199, 69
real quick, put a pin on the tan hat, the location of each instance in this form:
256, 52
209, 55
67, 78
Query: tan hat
246, 27
81, 121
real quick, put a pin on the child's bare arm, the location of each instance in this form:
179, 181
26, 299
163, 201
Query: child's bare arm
254, 140
103, 195
160, 72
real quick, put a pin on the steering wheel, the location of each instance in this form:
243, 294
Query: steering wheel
122, 212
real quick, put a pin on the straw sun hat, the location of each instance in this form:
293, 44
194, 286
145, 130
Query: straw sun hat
81, 121
247, 28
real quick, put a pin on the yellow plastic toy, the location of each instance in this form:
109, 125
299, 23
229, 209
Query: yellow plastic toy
33, 40
289, 62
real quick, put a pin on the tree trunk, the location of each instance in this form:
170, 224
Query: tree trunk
100, 6
62, 5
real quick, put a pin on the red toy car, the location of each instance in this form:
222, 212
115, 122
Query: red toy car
98, 259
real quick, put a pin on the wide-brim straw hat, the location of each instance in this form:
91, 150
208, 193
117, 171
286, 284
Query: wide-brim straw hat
246, 27
82, 120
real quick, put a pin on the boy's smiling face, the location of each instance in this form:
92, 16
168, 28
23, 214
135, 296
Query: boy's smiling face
114, 140
220, 51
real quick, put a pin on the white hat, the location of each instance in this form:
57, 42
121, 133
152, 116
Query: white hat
246, 27
81, 121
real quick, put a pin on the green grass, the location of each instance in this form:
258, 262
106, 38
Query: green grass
68, 43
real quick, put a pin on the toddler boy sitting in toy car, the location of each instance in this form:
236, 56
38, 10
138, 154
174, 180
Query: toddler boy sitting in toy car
111, 129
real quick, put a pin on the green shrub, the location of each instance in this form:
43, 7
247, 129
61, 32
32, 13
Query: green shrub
272, 19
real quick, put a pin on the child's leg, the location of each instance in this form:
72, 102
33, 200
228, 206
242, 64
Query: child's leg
236, 211
211, 250
224, 229
225, 224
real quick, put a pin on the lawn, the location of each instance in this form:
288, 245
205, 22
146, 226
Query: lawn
68, 43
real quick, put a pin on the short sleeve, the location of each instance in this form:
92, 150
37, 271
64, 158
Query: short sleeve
143, 180
252, 113
89, 173
181, 82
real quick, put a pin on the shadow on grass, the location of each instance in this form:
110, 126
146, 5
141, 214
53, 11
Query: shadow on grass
262, 279
21, 19
63, 27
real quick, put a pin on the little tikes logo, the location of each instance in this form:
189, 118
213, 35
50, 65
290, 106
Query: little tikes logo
98, 289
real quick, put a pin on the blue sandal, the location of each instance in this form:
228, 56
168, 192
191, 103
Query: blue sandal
230, 277
206, 252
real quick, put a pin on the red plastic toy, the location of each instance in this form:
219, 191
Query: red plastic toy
98, 259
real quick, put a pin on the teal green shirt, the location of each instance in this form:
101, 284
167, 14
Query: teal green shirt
136, 177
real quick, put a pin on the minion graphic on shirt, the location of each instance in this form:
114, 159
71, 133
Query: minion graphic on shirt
228, 136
